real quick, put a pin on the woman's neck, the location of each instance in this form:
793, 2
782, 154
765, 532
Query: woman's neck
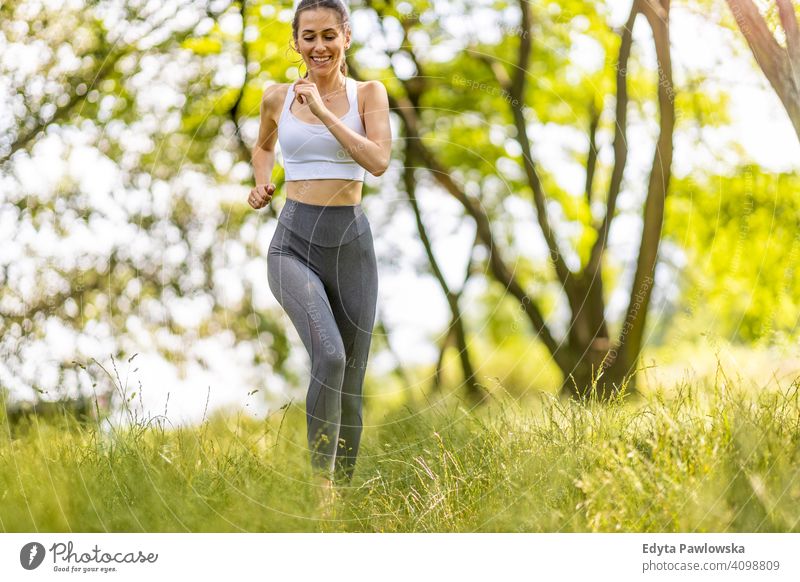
329, 83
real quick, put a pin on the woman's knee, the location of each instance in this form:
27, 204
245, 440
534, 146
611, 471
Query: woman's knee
333, 360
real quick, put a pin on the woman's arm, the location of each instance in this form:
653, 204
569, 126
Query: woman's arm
263, 157
264, 150
373, 151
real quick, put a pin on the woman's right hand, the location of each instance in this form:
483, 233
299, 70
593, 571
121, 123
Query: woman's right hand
261, 195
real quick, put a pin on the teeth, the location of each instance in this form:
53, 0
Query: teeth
320, 60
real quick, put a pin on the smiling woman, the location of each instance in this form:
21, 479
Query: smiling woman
321, 263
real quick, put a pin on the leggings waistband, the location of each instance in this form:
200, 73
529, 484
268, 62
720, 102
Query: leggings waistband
327, 226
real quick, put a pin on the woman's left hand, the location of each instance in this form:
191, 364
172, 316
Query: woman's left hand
308, 90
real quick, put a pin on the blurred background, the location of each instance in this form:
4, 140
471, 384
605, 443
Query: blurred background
576, 186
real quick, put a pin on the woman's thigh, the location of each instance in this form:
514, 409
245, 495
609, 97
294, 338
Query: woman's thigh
350, 275
301, 293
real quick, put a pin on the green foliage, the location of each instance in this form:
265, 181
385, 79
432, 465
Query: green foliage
202, 46
742, 238
168, 156
194, 138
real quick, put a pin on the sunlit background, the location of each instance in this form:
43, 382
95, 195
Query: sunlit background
125, 130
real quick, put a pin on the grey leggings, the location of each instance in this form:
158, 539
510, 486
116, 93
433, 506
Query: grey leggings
322, 269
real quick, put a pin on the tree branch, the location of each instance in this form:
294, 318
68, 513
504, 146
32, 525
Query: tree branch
790, 27
781, 70
591, 158
108, 60
517, 91
474, 389
765, 48
632, 332
233, 112
407, 112
620, 144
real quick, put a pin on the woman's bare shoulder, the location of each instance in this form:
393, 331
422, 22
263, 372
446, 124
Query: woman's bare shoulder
273, 96
369, 89
372, 85
272, 101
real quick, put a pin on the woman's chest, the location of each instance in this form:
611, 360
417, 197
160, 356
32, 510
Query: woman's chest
341, 105
338, 107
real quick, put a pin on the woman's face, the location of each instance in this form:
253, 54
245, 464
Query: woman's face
319, 34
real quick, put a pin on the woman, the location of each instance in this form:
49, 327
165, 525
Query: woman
321, 262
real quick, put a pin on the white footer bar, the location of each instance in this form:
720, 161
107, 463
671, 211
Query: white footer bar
389, 557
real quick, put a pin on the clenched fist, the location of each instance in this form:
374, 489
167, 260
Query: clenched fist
261, 195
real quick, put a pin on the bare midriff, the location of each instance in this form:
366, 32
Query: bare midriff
328, 192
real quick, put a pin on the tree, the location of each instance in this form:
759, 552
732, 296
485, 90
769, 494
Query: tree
470, 127
780, 64
586, 354
125, 262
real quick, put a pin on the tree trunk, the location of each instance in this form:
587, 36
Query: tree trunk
600, 367
587, 356
780, 65
475, 393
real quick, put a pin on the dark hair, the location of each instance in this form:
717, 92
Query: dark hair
344, 19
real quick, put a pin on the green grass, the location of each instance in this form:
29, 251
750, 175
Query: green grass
705, 458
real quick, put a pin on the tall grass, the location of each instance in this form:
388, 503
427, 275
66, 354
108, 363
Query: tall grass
705, 458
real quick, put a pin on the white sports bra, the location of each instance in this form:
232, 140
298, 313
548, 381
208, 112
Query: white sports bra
310, 151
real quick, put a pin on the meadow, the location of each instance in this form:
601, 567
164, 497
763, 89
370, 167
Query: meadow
710, 456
